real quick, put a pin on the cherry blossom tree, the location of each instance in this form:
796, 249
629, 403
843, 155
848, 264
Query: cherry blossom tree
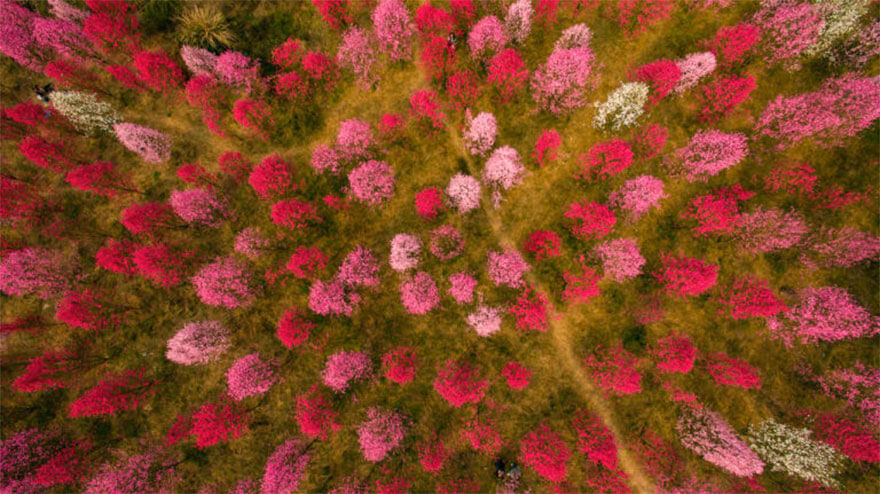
393, 28
559, 84
480, 133
360, 268
227, 282
372, 182
198, 342
487, 37
638, 196
506, 268
332, 297
461, 287
343, 367
425, 110
381, 433
151, 471
769, 230
707, 434
100, 177
112, 26
33, 270
545, 452
250, 376
692, 68
518, 20
446, 243
788, 29
707, 154
459, 382
463, 193
485, 320
827, 313
151, 145
432, 455
357, 54
199, 206
285, 468
293, 328
419, 295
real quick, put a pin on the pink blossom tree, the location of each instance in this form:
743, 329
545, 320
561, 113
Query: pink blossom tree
250, 376
446, 243
487, 37
147, 472
32, 270
707, 434
342, 368
485, 320
227, 282
841, 247
857, 386
381, 433
332, 297
198, 342
692, 68
405, 250
151, 145
480, 133
769, 230
285, 468
707, 154
360, 268
463, 193
354, 140
638, 196
419, 295
199, 206
236, 70
827, 313
461, 287
788, 29
393, 28
459, 382
357, 54
506, 268
251, 243
372, 182
559, 85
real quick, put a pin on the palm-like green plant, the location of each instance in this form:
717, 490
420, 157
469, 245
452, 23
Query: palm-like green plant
205, 26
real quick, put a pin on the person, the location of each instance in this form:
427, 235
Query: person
451, 39
514, 473
499, 468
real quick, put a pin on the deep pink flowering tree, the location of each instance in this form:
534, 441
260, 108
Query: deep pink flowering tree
581, 283
827, 313
674, 354
117, 392
295, 214
707, 434
531, 310
559, 85
594, 440
728, 371
53, 369
848, 437
432, 455
393, 28
250, 376
546, 452
293, 328
342, 368
332, 298
46, 154
482, 435
546, 146
151, 145
841, 108
429, 203
372, 182
218, 423
485, 320
112, 26
589, 220
198, 342
146, 472
750, 297
634, 16
425, 110
360, 268
479, 133
147, 217
100, 177
88, 309
32, 270
227, 282
199, 206
463, 193
306, 262
543, 244
381, 433
156, 70
461, 287
661, 76
163, 265
768, 230
235, 165
487, 37
506, 268
285, 468
357, 53
733, 44
354, 140
788, 29
681, 276
517, 376
719, 97
638, 196
707, 154
716, 213
463, 89
255, 116
694, 67
459, 382
420, 294
605, 159
400, 364
437, 57
507, 74
614, 370
315, 415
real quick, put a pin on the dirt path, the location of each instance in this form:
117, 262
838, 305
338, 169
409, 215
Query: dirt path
562, 330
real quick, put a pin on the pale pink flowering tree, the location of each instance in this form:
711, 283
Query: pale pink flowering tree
841, 108
507, 268
381, 433
151, 145
707, 434
342, 368
621, 259
463, 192
479, 133
226, 282
769, 230
485, 320
332, 297
198, 60
461, 287
828, 313
67, 12
405, 250
707, 154
325, 158
487, 37
503, 170
420, 294
372, 182
285, 468
356, 53
637, 196
575, 36
393, 28
841, 247
518, 21
354, 140
198, 342
559, 85
359, 268
694, 67
250, 376
199, 206
251, 243
858, 386
788, 29
46, 273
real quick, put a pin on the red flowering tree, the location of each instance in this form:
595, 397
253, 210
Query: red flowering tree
123, 391
531, 310
400, 364
334, 12
235, 165
100, 178
674, 354
719, 97
161, 264
272, 178
462, 89
306, 263
429, 203
546, 452
614, 370
543, 244
295, 214
507, 74
717, 213
661, 77
112, 26
437, 58
849, 438
156, 70
546, 146
293, 328
432, 455
649, 141
605, 159
315, 415
218, 423
594, 440
749, 297
681, 276
589, 220
728, 371
425, 110
46, 154
116, 256
459, 382
148, 217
